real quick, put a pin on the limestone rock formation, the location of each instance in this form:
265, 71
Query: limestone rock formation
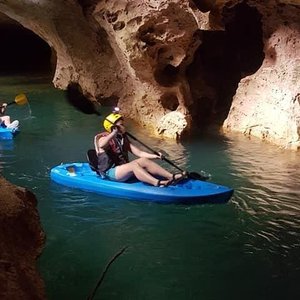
267, 103
154, 45
21, 242
179, 65
132, 51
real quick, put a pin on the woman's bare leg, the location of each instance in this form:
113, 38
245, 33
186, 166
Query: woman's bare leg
154, 168
6, 120
125, 171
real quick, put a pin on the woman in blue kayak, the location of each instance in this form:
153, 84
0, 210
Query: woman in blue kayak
5, 120
112, 149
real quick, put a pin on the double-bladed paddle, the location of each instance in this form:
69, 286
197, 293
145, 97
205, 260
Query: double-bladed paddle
20, 99
76, 98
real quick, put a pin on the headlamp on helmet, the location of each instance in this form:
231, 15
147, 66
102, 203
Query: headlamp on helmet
116, 110
110, 121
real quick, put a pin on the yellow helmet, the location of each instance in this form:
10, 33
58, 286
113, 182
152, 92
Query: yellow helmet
110, 120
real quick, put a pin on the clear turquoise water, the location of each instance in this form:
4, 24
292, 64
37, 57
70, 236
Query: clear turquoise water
246, 249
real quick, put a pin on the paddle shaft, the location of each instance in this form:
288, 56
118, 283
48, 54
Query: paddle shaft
12, 102
155, 152
19, 99
192, 175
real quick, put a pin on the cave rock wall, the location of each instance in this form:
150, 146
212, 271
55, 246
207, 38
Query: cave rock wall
154, 41
130, 53
178, 65
267, 103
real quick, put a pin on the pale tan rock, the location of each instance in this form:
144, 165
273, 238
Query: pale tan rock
140, 57
136, 54
267, 103
154, 47
172, 125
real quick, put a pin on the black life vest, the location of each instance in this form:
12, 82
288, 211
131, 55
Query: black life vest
115, 154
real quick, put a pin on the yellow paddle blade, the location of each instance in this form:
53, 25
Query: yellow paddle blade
21, 99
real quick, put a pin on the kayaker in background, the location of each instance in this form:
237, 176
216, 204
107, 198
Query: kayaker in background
5, 120
112, 147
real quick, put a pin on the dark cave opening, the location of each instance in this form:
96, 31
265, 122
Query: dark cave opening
169, 101
221, 61
203, 5
166, 76
22, 51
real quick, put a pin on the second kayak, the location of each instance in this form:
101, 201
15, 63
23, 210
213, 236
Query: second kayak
8, 133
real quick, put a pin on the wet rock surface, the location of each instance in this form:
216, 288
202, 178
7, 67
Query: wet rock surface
21, 242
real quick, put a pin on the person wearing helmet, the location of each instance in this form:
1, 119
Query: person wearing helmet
112, 147
5, 120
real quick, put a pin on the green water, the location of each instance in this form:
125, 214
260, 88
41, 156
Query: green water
246, 249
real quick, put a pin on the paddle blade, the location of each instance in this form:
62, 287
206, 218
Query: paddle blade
21, 99
203, 176
76, 98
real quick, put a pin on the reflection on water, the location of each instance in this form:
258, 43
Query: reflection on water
270, 196
6, 145
248, 248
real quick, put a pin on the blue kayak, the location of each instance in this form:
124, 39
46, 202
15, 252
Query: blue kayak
187, 191
8, 133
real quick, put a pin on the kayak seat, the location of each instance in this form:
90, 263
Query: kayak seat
93, 161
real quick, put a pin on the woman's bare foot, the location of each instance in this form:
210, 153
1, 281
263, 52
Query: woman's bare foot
163, 183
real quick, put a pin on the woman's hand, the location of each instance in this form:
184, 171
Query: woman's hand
160, 155
3, 108
114, 129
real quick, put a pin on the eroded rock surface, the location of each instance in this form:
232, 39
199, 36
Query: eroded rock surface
267, 103
179, 65
21, 242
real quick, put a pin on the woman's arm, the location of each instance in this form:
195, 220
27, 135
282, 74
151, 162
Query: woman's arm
102, 142
138, 152
3, 108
